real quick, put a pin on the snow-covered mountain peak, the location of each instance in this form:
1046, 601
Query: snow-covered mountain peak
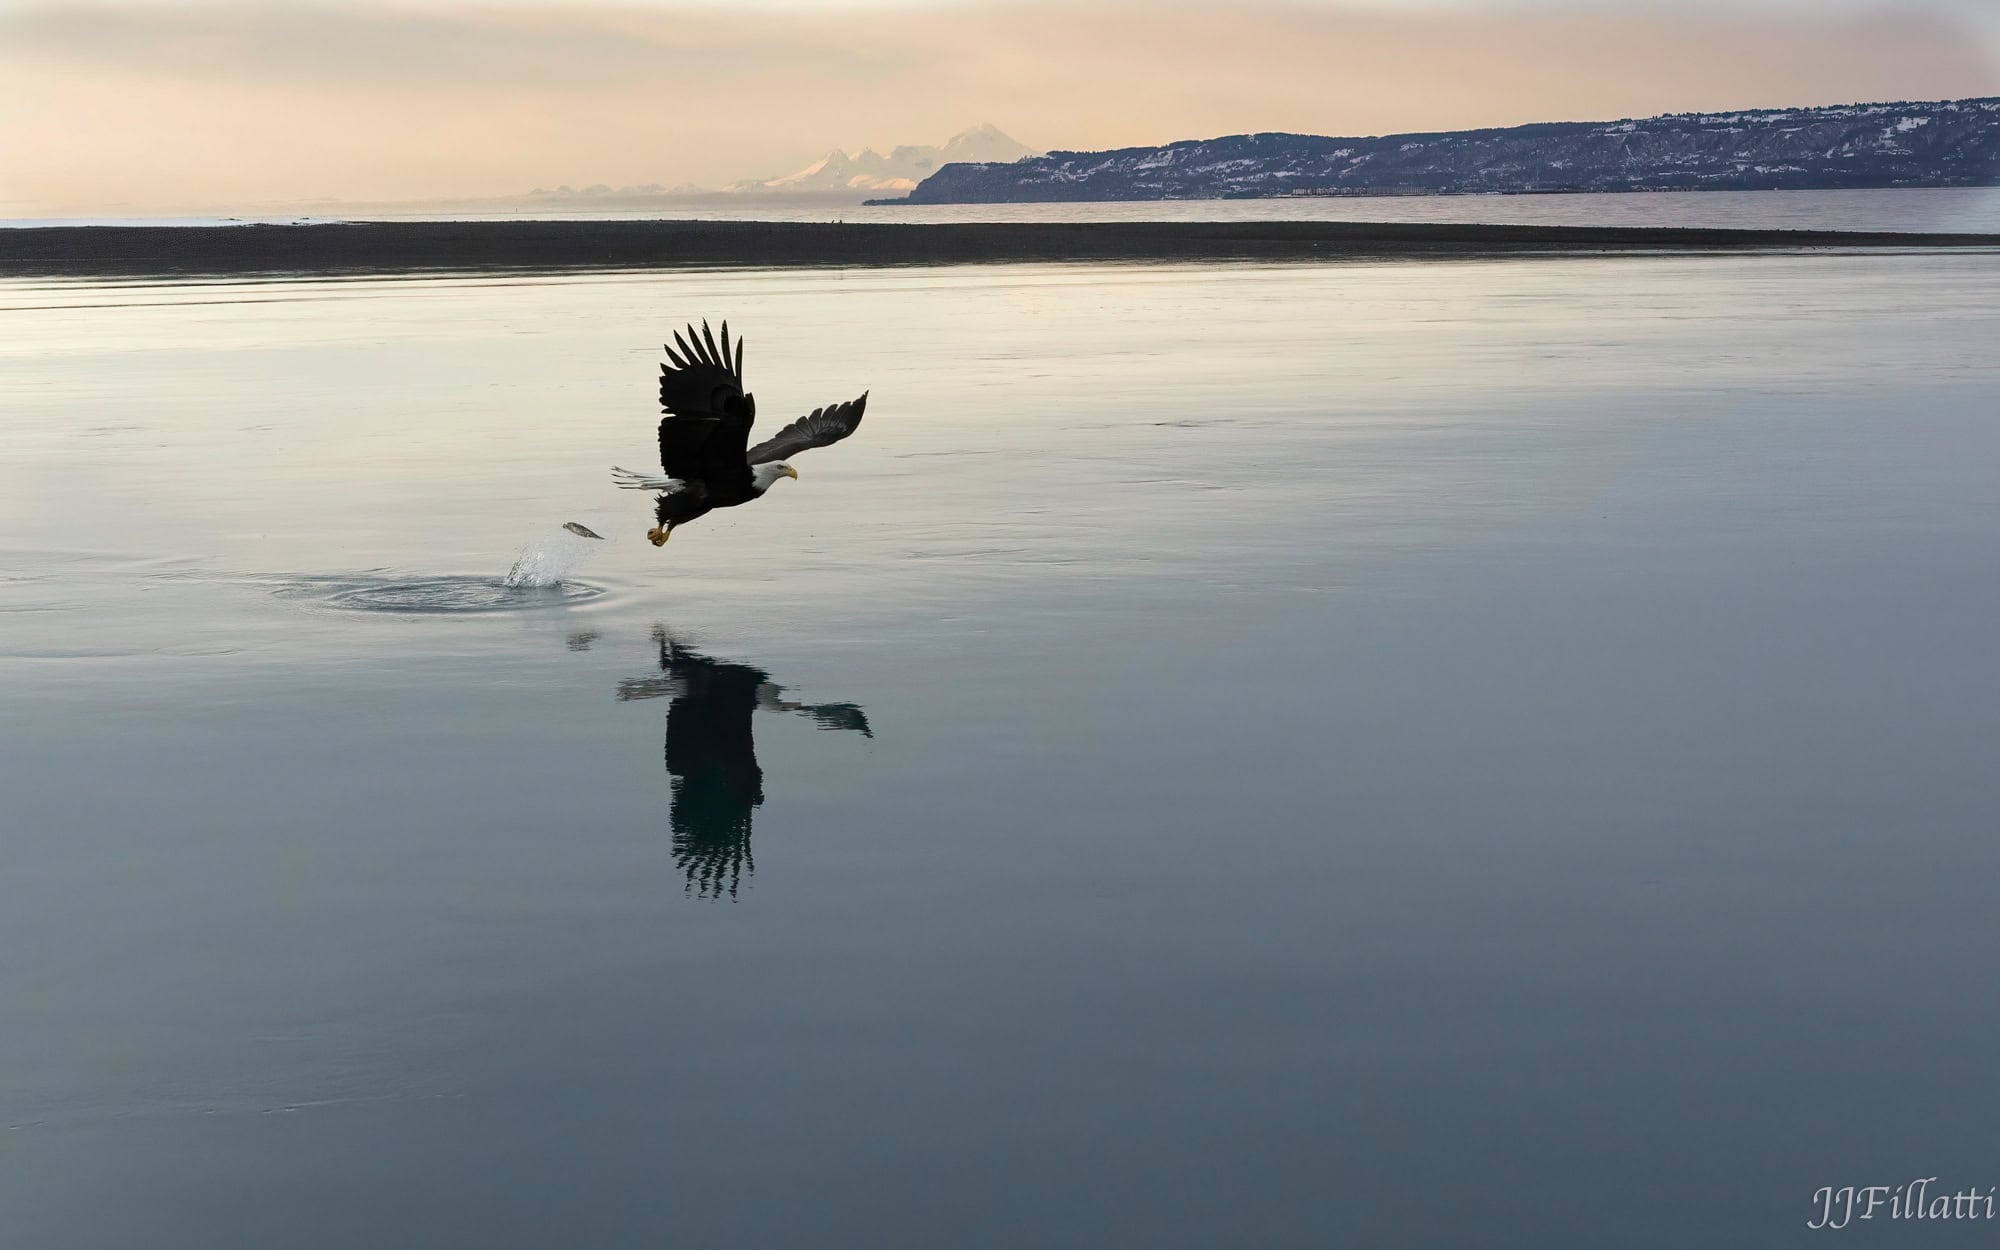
904, 167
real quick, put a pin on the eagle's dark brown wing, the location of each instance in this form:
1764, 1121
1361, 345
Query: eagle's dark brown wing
708, 413
817, 428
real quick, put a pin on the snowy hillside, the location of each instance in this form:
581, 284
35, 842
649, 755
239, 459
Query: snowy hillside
1950, 143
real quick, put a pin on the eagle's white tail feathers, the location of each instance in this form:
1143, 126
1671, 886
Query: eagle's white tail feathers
625, 479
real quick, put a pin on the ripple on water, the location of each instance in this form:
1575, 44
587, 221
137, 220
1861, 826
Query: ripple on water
446, 594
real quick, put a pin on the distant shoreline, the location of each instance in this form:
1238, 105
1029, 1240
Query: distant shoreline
403, 247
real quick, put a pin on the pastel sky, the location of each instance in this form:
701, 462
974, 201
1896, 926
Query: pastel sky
164, 105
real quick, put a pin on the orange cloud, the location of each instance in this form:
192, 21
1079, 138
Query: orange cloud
156, 108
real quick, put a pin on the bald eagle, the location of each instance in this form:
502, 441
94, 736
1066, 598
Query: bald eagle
704, 433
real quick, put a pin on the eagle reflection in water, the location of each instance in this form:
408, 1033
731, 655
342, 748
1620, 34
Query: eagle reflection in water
712, 755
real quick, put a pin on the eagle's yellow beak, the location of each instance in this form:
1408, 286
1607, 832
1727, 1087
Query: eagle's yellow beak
791, 473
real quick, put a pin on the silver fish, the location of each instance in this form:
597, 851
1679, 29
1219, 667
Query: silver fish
581, 531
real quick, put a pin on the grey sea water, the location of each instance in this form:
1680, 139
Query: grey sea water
1387, 753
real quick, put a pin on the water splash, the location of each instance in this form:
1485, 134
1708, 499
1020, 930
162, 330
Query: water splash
543, 576
551, 561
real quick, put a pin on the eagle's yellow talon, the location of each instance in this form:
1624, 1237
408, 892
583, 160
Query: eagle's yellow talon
658, 536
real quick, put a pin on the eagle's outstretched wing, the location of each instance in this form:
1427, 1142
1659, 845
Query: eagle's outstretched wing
817, 428
838, 716
708, 412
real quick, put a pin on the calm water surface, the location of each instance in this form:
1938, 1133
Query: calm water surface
1459, 753
1964, 210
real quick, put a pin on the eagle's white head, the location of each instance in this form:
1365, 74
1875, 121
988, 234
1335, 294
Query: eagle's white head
763, 476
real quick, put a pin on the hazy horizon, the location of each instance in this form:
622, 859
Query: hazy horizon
167, 106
